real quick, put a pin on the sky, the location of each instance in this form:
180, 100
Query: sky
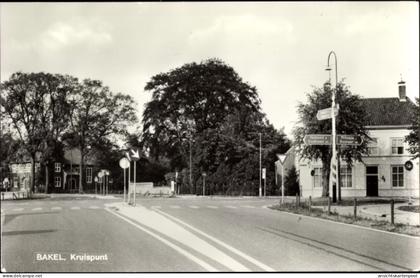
281, 48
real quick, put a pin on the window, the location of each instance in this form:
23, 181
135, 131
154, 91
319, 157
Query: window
317, 177
397, 176
57, 182
373, 147
57, 167
345, 176
397, 145
89, 174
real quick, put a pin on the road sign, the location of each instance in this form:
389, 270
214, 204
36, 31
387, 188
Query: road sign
317, 139
100, 174
135, 155
127, 154
349, 140
282, 158
325, 114
124, 163
96, 179
263, 173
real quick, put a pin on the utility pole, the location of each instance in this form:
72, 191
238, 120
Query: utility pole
333, 169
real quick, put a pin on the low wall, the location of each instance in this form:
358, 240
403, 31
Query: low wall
147, 188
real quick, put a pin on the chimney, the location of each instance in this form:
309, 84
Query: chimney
401, 91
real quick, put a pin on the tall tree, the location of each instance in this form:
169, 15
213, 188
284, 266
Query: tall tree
33, 102
413, 138
350, 120
190, 99
97, 117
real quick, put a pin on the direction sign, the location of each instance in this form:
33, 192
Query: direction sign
317, 139
263, 173
325, 114
135, 155
349, 140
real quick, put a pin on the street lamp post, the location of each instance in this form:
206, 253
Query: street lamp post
204, 184
260, 189
333, 170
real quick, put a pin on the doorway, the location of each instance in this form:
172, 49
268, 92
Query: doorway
371, 181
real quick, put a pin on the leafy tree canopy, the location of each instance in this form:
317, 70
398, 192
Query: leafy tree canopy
350, 120
413, 138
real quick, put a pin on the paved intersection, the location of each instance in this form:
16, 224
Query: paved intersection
197, 234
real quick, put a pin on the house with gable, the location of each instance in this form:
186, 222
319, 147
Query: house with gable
388, 169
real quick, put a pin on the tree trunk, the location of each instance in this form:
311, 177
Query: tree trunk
81, 171
46, 177
325, 180
32, 181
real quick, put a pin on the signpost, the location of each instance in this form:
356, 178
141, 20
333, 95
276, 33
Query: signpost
263, 176
127, 154
96, 185
317, 139
100, 175
282, 159
326, 113
349, 140
325, 139
124, 164
135, 156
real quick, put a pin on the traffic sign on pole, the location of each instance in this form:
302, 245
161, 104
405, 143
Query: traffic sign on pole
135, 155
326, 113
317, 139
349, 140
282, 159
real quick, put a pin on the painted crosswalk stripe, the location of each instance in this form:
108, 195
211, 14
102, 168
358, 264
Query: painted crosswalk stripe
231, 207
18, 209
175, 207
155, 207
74, 208
94, 207
56, 208
212, 207
194, 207
247, 206
36, 209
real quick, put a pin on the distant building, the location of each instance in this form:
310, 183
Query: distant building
388, 169
63, 176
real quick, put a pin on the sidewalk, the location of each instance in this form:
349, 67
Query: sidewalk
379, 212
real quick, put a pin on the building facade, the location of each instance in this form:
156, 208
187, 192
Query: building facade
63, 176
388, 169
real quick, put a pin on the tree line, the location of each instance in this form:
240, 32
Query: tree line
48, 112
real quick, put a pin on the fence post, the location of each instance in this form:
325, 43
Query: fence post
392, 211
310, 204
355, 209
297, 201
329, 205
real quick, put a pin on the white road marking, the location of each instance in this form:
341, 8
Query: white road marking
74, 208
231, 207
36, 209
155, 207
187, 254
17, 209
152, 219
247, 206
194, 207
56, 208
175, 207
230, 248
94, 207
212, 207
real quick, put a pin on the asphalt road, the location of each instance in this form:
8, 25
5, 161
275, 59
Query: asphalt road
178, 235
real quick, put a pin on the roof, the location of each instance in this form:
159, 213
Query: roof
72, 156
387, 111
